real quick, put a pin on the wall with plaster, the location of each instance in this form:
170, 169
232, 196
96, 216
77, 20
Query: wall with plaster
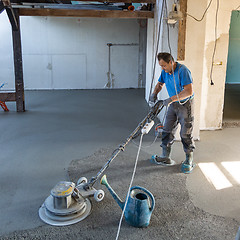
71, 53
194, 54
200, 38
199, 46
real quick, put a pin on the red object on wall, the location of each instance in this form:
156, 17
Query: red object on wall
131, 8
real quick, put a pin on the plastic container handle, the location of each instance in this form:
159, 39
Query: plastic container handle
148, 193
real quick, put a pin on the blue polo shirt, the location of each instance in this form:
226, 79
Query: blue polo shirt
182, 77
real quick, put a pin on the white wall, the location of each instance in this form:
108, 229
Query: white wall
71, 53
6, 56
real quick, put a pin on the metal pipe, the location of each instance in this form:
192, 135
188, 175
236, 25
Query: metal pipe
110, 82
124, 44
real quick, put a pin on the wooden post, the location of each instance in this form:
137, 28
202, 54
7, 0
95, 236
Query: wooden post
1, 7
10, 14
182, 31
18, 67
142, 52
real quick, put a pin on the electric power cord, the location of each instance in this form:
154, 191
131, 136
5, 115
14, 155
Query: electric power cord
215, 43
169, 46
163, 122
155, 56
147, 145
199, 20
130, 185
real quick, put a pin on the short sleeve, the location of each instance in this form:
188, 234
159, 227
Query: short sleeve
185, 76
161, 78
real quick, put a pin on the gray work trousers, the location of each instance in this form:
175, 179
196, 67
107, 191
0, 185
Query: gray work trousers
182, 114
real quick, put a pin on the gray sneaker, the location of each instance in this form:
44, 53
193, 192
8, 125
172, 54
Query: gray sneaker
162, 160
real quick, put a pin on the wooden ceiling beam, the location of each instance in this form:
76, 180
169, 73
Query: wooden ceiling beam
85, 13
7, 96
117, 1
67, 1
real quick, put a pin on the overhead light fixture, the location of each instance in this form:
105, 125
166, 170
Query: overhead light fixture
175, 15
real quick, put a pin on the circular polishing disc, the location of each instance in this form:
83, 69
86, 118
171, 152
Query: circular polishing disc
56, 220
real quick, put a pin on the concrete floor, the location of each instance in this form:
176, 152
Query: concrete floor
61, 128
231, 113
220, 146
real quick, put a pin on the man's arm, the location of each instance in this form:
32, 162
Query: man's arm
186, 92
158, 88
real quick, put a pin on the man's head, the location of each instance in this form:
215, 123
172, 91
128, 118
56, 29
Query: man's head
166, 61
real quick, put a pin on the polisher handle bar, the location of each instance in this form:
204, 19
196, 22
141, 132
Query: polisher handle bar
155, 110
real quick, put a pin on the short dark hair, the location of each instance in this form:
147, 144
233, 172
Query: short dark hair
167, 57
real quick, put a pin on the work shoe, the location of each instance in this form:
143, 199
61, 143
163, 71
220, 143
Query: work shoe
188, 165
165, 158
163, 161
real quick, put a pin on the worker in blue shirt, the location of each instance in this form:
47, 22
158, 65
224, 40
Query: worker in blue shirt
179, 85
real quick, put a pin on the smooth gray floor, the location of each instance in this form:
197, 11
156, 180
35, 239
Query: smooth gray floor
58, 127
231, 111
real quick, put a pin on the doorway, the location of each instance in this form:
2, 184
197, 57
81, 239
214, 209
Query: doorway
231, 113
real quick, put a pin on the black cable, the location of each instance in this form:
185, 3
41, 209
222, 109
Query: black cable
199, 20
169, 46
215, 44
168, 32
155, 56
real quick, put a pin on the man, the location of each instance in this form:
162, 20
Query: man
179, 84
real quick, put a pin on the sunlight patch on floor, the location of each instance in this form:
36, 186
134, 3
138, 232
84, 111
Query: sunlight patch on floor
214, 175
233, 168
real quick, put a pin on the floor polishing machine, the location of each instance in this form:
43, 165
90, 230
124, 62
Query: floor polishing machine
68, 202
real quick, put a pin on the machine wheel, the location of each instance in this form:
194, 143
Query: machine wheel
81, 180
99, 195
